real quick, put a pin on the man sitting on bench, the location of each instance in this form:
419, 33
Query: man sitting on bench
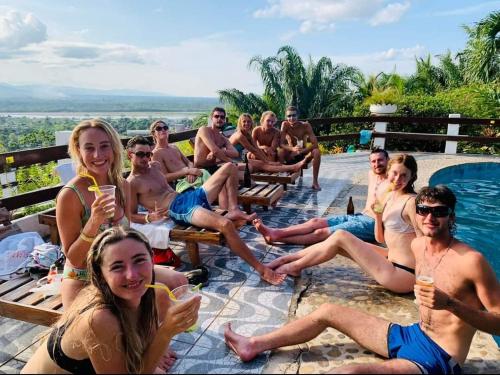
173, 164
149, 188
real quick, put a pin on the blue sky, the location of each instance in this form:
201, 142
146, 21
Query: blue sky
196, 47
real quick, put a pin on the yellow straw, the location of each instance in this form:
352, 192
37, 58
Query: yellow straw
163, 287
96, 188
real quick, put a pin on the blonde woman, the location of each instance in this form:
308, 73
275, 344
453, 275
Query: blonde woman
96, 150
266, 136
259, 161
115, 325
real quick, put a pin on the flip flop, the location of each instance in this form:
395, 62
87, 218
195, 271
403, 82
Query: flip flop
199, 275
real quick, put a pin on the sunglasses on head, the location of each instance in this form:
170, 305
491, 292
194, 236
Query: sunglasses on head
160, 128
220, 116
142, 154
291, 115
436, 211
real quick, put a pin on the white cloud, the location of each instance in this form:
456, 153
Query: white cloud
390, 14
401, 59
320, 15
17, 31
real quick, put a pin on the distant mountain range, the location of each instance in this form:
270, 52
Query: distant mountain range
46, 98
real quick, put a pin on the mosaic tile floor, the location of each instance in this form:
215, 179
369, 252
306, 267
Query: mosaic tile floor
236, 294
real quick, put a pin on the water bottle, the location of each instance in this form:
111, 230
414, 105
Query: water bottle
350, 207
247, 180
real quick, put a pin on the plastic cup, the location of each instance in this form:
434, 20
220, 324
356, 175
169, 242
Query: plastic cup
108, 189
184, 293
378, 208
300, 143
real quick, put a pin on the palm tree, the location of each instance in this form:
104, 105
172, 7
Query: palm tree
317, 90
481, 56
452, 72
427, 79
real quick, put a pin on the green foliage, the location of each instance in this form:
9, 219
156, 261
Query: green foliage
389, 95
36, 177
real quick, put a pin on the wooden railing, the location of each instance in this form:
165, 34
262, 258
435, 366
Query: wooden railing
11, 160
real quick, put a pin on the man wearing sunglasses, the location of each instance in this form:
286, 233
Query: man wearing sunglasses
462, 297
298, 142
173, 164
149, 188
211, 147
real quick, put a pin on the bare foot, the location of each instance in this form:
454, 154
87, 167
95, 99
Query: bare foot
266, 232
299, 165
288, 269
237, 214
240, 345
271, 276
166, 362
316, 187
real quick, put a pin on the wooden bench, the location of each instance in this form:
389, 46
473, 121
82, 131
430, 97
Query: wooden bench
17, 302
264, 195
189, 234
282, 178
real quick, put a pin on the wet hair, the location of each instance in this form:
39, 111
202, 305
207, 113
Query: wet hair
378, 150
291, 108
115, 172
266, 114
409, 162
135, 337
138, 140
153, 126
437, 194
217, 109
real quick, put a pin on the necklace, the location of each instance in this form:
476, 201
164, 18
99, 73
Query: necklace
433, 269
427, 320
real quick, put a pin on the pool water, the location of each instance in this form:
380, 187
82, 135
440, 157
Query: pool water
477, 187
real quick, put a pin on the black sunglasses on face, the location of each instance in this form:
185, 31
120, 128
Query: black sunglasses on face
142, 154
436, 211
220, 116
160, 128
291, 115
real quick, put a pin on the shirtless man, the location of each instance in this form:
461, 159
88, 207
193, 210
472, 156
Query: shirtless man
464, 297
298, 142
150, 189
362, 225
266, 136
173, 164
211, 147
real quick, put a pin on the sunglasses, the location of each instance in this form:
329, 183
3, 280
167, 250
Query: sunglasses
436, 211
220, 116
142, 154
160, 128
291, 115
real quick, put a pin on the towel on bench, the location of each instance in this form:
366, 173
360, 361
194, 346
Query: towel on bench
157, 233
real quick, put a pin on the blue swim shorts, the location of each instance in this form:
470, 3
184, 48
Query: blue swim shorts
183, 206
362, 226
412, 344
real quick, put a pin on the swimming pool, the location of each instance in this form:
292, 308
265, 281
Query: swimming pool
477, 187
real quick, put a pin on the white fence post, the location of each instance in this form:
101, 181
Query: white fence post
453, 129
62, 138
379, 127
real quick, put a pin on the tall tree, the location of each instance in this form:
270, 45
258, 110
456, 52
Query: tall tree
319, 89
481, 56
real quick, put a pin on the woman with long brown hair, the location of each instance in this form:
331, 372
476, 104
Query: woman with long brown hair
116, 324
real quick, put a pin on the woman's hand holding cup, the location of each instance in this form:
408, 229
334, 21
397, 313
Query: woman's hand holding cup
181, 315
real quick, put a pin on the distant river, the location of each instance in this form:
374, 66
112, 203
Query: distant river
114, 115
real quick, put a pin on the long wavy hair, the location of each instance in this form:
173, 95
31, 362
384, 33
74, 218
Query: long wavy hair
115, 172
135, 336
409, 162
239, 126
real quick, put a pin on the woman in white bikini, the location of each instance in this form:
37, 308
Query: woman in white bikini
392, 267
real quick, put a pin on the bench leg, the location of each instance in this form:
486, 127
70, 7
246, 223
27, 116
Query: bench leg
284, 187
301, 172
248, 208
265, 208
194, 253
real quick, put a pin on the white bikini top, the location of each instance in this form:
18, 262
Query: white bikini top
394, 221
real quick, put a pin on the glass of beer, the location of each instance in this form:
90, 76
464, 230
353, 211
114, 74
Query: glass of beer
423, 280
